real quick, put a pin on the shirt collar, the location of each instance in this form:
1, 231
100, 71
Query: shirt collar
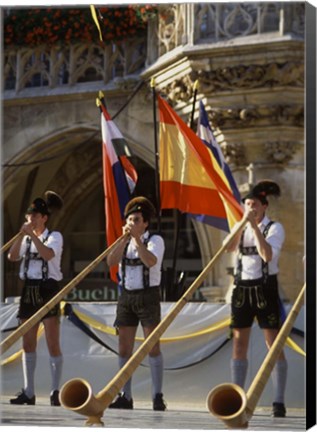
264, 222
145, 235
44, 234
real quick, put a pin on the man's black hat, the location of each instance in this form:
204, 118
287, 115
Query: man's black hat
38, 206
45, 207
262, 189
142, 205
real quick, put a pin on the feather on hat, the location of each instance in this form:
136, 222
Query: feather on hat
53, 201
47, 206
262, 189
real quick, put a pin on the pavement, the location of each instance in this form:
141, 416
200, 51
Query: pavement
176, 417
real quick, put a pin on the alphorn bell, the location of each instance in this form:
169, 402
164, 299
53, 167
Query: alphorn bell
228, 402
28, 324
76, 394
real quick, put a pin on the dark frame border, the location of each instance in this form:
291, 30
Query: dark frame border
310, 215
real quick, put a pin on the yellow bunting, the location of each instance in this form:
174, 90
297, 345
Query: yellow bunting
217, 326
18, 354
106, 329
291, 344
95, 18
11, 358
62, 307
95, 324
220, 325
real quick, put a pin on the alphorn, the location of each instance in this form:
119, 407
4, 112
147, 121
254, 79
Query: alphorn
10, 242
28, 324
76, 394
228, 402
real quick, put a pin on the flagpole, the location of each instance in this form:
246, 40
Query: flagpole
179, 214
157, 173
194, 103
101, 98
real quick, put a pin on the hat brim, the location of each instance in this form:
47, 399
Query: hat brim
251, 195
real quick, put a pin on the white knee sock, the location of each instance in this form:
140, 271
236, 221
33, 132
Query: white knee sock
156, 366
28, 366
127, 388
239, 371
56, 364
279, 377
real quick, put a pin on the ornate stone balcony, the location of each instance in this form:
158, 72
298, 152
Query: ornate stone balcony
70, 65
193, 24
200, 23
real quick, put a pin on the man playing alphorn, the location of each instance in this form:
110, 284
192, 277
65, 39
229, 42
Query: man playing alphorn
40, 251
255, 293
140, 258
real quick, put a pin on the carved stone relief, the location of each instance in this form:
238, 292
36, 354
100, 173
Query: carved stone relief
234, 154
266, 115
281, 152
251, 76
237, 78
74, 167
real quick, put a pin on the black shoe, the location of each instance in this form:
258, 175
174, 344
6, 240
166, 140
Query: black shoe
54, 398
158, 402
278, 410
23, 399
122, 402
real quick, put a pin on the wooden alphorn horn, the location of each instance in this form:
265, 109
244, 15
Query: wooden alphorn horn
228, 402
10, 242
76, 394
28, 324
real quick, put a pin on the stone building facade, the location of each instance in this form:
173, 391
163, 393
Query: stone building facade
248, 60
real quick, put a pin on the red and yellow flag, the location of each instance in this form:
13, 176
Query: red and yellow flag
190, 177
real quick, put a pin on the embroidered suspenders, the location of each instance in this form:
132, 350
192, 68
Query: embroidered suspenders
35, 256
238, 299
133, 262
252, 250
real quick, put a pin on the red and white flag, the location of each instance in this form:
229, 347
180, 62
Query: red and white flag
119, 179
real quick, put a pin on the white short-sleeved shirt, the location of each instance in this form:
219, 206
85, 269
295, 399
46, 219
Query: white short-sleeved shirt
55, 242
134, 274
252, 264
